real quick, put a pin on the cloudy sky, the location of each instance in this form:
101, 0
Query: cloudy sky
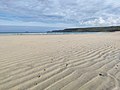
60, 13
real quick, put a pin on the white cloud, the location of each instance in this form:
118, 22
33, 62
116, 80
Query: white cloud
102, 22
72, 12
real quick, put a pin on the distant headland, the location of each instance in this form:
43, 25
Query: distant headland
90, 29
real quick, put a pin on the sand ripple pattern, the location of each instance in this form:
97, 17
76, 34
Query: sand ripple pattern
60, 62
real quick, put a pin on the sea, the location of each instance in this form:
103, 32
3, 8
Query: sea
44, 33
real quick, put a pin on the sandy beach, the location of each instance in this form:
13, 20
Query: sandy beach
60, 62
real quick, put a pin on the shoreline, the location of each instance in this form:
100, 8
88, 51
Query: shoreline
54, 33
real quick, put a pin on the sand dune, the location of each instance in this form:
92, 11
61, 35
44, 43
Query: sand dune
60, 62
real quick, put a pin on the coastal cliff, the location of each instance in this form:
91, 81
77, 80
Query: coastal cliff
90, 29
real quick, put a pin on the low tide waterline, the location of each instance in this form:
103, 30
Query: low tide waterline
44, 33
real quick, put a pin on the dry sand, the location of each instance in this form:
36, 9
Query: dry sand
60, 62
